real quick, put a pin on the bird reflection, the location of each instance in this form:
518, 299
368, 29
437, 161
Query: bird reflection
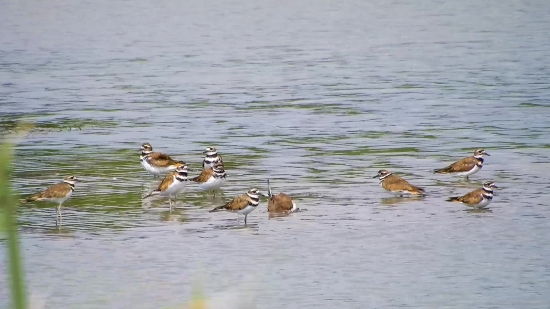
176, 215
478, 210
396, 200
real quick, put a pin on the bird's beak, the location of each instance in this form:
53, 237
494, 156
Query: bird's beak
204, 152
497, 187
486, 154
376, 176
77, 180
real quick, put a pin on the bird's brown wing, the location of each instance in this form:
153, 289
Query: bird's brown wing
462, 165
166, 182
160, 159
238, 203
59, 190
204, 176
279, 203
396, 183
472, 198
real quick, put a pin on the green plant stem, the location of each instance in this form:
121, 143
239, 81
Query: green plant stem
18, 295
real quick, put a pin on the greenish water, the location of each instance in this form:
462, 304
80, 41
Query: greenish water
317, 97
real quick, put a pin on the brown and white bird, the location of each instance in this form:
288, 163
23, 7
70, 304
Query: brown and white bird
479, 198
280, 202
57, 193
396, 184
466, 166
211, 178
156, 163
172, 184
211, 157
242, 204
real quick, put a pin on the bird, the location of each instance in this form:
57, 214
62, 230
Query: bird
211, 157
396, 184
280, 202
157, 163
57, 193
466, 166
479, 198
243, 204
211, 178
172, 184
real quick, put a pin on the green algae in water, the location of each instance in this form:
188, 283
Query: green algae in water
369, 150
532, 105
58, 125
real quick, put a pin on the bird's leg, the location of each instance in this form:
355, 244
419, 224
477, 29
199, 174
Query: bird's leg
238, 217
59, 213
170, 203
245, 219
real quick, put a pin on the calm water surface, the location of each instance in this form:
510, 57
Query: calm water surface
315, 95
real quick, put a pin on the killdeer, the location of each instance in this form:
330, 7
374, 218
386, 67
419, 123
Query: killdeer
466, 166
57, 193
479, 198
396, 184
212, 178
242, 204
156, 163
211, 157
280, 202
172, 184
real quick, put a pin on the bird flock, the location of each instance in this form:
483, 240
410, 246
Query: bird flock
213, 177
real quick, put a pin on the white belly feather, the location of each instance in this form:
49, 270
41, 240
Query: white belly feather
248, 209
474, 170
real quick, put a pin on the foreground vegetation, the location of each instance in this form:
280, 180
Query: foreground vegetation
8, 223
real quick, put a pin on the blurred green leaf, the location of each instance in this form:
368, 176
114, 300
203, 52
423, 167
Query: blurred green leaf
2, 224
9, 222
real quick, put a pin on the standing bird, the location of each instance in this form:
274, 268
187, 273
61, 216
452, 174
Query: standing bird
466, 166
172, 184
211, 178
479, 198
57, 193
280, 202
242, 204
211, 157
157, 163
396, 184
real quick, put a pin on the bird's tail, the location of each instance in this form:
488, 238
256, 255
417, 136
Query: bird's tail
444, 170
269, 189
454, 199
33, 198
155, 192
421, 191
218, 208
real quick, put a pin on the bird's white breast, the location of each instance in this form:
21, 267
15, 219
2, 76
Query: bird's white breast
211, 184
474, 170
248, 209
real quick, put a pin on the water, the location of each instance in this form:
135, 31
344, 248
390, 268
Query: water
317, 96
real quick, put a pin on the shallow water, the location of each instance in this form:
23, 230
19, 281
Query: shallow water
317, 96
